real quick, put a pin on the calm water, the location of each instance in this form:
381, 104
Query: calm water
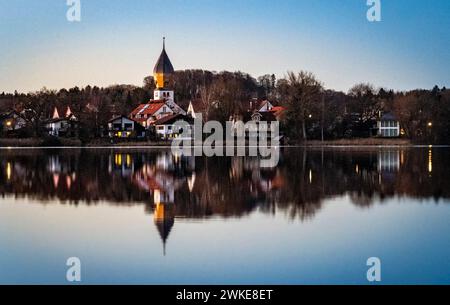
145, 216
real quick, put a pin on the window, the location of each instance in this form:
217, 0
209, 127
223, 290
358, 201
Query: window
160, 127
128, 126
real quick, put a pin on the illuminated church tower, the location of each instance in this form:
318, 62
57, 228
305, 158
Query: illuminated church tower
163, 75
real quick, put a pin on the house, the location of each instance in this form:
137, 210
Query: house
163, 102
195, 108
388, 126
62, 126
165, 127
123, 127
265, 116
12, 121
259, 106
147, 114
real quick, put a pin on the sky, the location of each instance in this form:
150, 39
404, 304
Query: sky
119, 41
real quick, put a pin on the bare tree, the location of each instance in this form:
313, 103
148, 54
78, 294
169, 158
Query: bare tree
208, 100
302, 95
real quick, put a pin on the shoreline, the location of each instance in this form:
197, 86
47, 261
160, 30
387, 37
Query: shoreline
35, 143
360, 142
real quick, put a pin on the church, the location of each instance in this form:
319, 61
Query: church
163, 102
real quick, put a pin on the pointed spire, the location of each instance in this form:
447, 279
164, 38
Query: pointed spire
163, 65
55, 114
68, 112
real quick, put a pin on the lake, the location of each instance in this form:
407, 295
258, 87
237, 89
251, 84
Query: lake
145, 216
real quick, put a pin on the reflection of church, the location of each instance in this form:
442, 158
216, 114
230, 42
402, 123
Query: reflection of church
164, 216
161, 179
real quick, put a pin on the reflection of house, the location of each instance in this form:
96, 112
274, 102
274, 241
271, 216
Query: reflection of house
388, 126
388, 161
121, 163
388, 167
123, 127
62, 126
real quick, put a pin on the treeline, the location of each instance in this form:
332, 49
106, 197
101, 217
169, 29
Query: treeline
312, 112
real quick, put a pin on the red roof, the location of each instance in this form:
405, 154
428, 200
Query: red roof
277, 109
147, 109
167, 119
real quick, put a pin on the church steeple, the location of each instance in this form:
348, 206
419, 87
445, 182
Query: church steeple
163, 69
163, 74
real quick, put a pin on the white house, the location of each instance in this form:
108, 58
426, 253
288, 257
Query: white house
166, 129
62, 126
388, 126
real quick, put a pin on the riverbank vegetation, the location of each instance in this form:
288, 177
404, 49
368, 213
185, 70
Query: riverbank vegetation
312, 112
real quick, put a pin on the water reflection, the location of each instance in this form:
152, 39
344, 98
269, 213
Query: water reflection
171, 186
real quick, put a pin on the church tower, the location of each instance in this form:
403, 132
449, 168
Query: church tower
163, 75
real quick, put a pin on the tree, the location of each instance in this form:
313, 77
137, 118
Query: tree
406, 108
208, 94
302, 95
363, 100
266, 85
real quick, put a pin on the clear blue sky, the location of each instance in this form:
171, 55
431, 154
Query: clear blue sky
118, 41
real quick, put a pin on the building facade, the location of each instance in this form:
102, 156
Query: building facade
163, 75
388, 126
123, 127
163, 102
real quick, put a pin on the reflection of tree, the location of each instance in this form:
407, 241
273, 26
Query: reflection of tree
227, 187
